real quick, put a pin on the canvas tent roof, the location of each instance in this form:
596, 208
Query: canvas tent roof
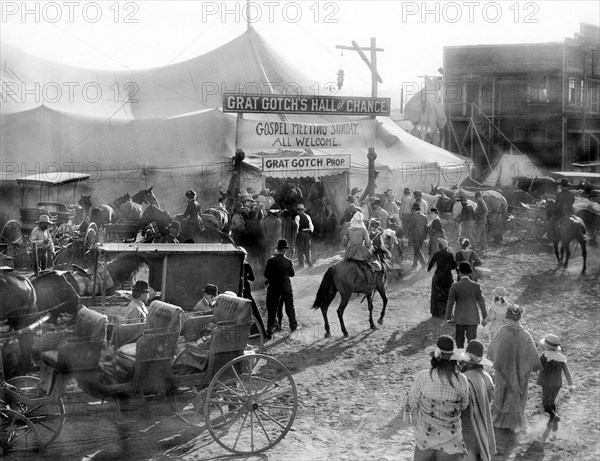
510, 166
165, 122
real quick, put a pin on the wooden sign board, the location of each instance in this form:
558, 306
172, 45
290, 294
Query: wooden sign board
319, 105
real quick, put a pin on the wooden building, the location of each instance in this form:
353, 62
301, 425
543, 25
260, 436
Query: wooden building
541, 99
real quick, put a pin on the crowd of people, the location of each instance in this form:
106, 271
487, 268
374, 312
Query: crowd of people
459, 407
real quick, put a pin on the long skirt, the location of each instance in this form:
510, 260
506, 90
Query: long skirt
508, 404
440, 289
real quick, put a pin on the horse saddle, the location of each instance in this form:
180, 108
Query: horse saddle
81, 271
375, 265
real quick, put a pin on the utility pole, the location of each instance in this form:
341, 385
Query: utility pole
375, 78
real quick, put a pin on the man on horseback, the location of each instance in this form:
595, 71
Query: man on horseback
563, 205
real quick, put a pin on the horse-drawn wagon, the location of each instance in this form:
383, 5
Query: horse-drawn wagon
15, 242
246, 400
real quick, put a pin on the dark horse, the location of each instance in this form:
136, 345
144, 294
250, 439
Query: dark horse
18, 308
565, 230
153, 214
59, 292
347, 278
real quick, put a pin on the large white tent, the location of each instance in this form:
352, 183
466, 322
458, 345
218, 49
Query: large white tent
510, 166
164, 126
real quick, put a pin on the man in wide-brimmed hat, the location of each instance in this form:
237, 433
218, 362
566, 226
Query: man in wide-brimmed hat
379, 213
278, 271
405, 209
137, 310
271, 229
390, 204
44, 246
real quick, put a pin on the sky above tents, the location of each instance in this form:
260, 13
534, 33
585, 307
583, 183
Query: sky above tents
143, 34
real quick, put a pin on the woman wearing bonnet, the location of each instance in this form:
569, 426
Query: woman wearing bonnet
356, 240
515, 356
496, 313
438, 396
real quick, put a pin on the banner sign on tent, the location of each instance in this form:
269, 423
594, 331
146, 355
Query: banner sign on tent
253, 134
326, 164
321, 105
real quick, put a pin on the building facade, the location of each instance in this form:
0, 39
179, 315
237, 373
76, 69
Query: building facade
541, 99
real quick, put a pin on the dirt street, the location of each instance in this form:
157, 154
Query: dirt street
350, 389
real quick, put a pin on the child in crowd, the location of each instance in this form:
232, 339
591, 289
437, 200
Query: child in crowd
550, 378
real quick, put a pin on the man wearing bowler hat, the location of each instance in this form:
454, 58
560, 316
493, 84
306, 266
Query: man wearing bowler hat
44, 246
137, 310
207, 304
278, 271
468, 298
417, 233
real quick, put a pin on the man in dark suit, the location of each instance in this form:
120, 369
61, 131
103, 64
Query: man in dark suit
417, 233
468, 297
278, 271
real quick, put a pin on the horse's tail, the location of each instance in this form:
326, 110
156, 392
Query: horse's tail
326, 291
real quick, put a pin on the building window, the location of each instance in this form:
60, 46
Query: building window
572, 90
530, 135
537, 92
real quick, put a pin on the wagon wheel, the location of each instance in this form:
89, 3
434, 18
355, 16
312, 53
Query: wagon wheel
17, 433
48, 416
12, 243
64, 234
63, 240
89, 241
251, 404
188, 401
257, 336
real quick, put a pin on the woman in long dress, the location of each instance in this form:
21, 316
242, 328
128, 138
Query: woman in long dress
442, 280
356, 240
515, 357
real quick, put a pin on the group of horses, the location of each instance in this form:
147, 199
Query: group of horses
143, 208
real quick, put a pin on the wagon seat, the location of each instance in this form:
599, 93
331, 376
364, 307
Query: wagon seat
163, 319
80, 352
225, 332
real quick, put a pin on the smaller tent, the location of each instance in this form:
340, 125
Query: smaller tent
510, 166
